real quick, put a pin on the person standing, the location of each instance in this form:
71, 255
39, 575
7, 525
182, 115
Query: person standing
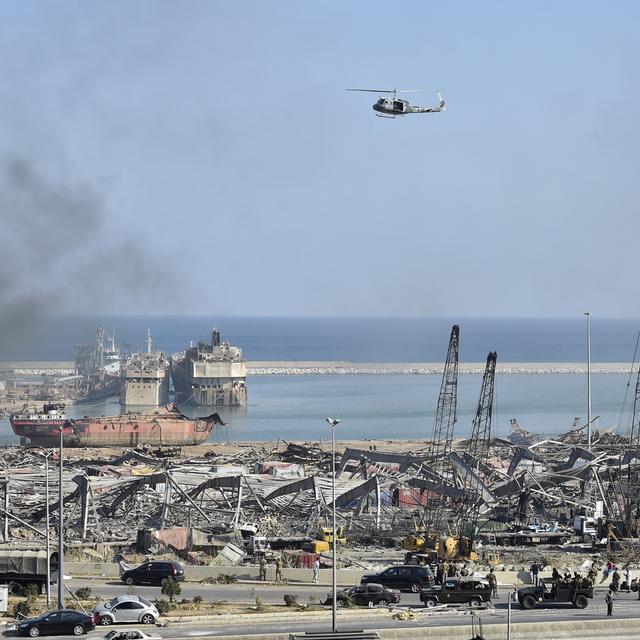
316, 570
278, 569
263, 569
627, 578
493, 582
535, 569
609, 600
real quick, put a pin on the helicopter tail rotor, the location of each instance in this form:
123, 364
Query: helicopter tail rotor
443, 105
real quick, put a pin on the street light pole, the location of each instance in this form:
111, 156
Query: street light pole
588, 315
334, 601
46, 481
61, 526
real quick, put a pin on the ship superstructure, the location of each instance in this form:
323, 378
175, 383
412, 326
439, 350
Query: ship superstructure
212, 374
146, 378
99, 368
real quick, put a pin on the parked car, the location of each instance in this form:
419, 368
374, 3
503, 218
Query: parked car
64, 621
153, 572
131, 634
375, 594
471, 591
126, 609
407, 577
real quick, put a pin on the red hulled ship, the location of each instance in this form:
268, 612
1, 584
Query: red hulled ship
165, 426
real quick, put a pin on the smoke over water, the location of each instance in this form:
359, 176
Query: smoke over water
58, 257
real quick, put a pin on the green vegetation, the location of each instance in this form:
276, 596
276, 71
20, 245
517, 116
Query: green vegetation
290, 600
163, 606
25, 607
171, 588
83, 593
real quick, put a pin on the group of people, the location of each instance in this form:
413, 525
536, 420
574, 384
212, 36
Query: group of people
263, 569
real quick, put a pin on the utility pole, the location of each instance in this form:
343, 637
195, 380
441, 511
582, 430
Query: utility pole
46, 482
334, 612
588, 316
61, 525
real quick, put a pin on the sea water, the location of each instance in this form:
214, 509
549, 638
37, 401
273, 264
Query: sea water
379, 406
400, 406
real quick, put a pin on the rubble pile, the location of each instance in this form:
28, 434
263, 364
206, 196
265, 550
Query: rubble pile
284, 493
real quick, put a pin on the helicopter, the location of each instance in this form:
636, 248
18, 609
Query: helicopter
392, 107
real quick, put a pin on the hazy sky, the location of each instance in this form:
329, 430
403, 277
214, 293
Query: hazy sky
214, 164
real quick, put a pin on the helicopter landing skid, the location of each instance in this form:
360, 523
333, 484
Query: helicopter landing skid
384, 115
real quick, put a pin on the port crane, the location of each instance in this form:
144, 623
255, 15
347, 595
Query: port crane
632, 502
432, 522
443, 426
472, 467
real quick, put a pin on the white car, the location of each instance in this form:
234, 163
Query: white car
126, 609
132, 634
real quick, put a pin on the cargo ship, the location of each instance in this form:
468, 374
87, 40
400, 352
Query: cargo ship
98, 367
165, 426
51, 418
212, 374
146, 378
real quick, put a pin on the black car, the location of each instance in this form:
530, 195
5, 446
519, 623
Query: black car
153, 572
372, 593
62, 622
407, 577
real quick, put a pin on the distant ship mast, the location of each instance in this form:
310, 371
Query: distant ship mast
149, 341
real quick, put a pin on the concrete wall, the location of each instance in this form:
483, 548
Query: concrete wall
197, 574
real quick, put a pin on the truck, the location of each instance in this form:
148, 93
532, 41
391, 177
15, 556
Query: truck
18, 569
526, 537
474, 592
558, 592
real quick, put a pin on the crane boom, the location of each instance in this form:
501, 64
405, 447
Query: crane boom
446, 417
478, 451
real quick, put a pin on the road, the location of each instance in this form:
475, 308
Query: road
626, 606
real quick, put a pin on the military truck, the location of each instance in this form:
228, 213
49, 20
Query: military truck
555, 592
21, 568
468, 590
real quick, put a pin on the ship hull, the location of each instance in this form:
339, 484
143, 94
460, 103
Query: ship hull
168, 428
225, 393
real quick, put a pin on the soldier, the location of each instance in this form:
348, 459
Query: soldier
534, 570
445, 570
278, 569
555, 575
615, 580
493, 583
464, 572
609, 600
263, 569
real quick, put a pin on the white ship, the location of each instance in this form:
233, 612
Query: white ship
146, 378
212, 374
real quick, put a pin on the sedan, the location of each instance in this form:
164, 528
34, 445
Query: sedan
126, 609
64, 621
132, 634
365, 595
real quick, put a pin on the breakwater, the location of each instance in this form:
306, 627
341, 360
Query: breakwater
341, 367
300, 368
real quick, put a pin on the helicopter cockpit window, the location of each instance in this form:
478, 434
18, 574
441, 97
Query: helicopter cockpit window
381, 101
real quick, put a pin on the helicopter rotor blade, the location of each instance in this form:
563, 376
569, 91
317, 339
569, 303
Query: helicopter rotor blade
374, 90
